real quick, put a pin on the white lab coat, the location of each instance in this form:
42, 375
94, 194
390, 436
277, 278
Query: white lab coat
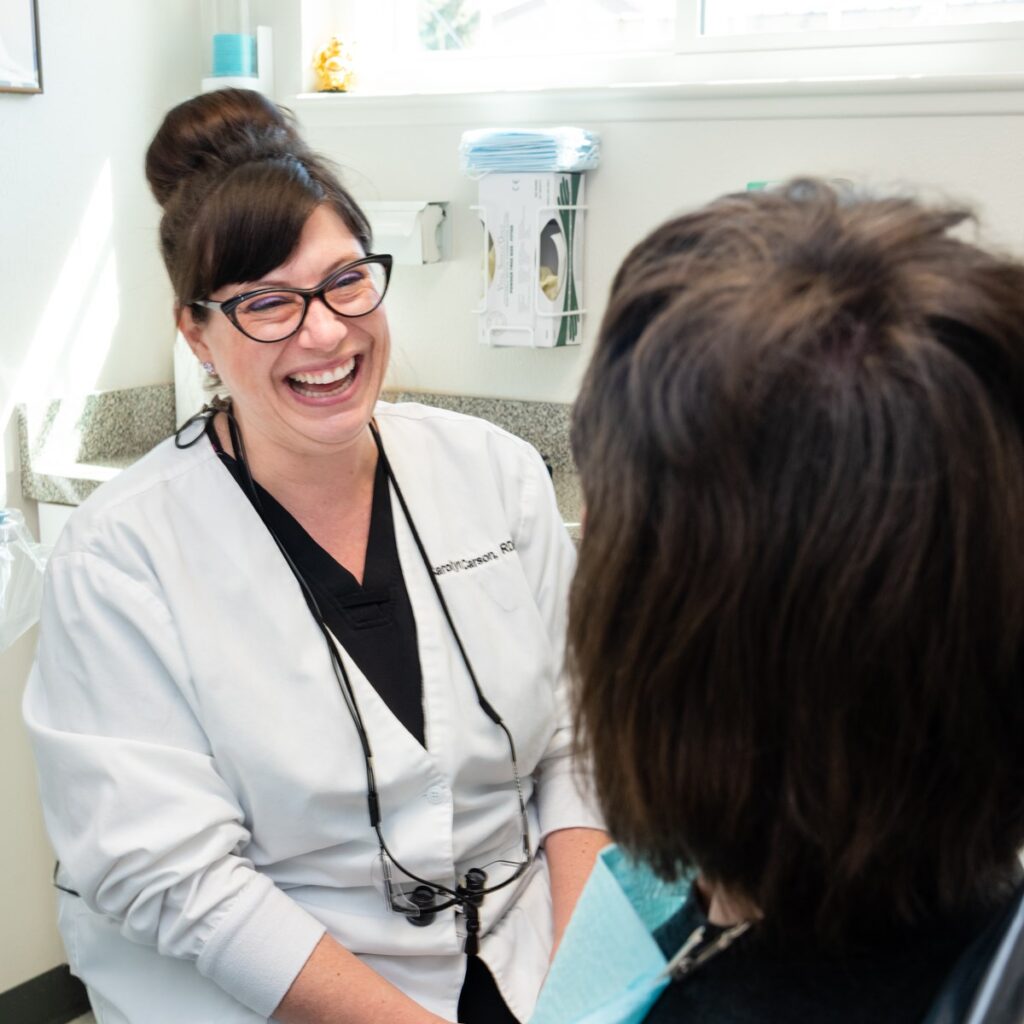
201, 777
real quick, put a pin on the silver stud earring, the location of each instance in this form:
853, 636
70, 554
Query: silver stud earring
209, 368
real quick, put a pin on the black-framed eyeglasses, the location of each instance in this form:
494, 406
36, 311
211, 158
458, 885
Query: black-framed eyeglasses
268, 315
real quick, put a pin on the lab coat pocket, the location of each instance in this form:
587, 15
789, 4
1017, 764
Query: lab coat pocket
69, 909
518, 949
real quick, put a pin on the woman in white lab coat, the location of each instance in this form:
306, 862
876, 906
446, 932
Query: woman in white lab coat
298, 707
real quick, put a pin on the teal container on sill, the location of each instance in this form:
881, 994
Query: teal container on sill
234, 54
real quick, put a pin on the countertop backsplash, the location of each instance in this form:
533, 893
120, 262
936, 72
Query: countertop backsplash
70, 446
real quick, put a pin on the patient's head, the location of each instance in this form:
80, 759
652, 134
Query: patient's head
797, 626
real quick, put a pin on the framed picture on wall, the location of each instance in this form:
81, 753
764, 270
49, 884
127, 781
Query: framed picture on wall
20, 68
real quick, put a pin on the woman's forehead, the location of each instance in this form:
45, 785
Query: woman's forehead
325, 241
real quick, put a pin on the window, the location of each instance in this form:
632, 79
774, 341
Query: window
451, 46
749, 17
541, 26
856, 40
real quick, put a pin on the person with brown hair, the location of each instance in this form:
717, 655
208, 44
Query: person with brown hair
299, 712
797, 622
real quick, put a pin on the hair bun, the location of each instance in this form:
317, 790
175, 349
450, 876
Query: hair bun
217, 131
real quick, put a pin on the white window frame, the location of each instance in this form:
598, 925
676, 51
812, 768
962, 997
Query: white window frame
986, 56
690, 40
904, 52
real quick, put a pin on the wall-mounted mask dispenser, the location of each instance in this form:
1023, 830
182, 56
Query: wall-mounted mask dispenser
531, 207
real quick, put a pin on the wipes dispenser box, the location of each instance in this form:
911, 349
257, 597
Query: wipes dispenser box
532, 259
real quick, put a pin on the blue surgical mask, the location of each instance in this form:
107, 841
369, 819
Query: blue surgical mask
509, 149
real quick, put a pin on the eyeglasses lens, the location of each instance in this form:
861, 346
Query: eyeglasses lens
357, 290
273, 316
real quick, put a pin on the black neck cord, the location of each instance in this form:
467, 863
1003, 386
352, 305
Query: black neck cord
482, 700
463, 898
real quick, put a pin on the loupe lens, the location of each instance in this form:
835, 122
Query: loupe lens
423, 898
403, 895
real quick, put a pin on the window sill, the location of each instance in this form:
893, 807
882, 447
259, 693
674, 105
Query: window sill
871, 96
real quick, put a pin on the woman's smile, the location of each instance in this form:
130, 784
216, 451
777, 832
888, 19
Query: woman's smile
325, 386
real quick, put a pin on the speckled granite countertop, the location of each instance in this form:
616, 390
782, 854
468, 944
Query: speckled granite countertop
70, 446
544, 424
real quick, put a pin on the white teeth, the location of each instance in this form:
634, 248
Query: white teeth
325, 376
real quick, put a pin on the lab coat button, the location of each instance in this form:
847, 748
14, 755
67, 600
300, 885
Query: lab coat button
436, 794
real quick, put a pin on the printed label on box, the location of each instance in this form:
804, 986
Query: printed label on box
533, 259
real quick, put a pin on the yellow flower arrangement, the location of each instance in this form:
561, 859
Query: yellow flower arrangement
334, 67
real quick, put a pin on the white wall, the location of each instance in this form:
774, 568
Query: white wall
86, 306
655, 163
85, 297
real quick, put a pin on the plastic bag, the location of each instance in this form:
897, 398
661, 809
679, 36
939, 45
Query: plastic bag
22, 562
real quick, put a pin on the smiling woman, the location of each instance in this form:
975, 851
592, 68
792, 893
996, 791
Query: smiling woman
293, 738
320, 388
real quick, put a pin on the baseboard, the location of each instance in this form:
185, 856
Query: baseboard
51, 998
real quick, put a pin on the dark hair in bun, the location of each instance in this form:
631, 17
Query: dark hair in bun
237, 184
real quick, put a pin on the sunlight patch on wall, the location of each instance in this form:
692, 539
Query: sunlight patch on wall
72, 340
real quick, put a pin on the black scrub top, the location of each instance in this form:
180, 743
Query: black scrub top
373, 622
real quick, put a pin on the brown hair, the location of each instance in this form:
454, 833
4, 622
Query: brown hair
797, 624
237, 184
